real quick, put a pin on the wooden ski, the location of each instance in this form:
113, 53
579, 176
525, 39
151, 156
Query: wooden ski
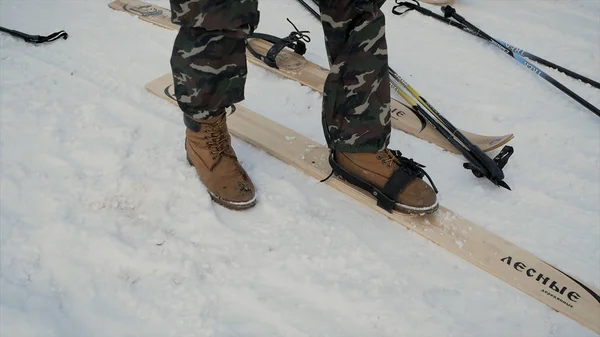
296, 67
460, 236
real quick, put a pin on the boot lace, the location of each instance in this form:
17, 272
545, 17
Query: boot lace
298, 34
218, 139
408, 165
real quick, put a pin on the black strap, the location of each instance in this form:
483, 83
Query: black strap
412, 166
35, 39
408, 171
398, 182
292, 41
386, 197
194, 125
409, 6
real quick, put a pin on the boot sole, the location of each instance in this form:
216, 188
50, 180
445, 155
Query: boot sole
402, 208
375, 191
232, 205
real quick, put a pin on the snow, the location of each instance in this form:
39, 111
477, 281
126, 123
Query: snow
105, 230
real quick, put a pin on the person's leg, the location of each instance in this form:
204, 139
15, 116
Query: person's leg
208, 59
356, 108
356, 104
208, 63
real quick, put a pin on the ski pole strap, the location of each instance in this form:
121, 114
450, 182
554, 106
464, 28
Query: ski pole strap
409, 6
293, 41
36, 39
502, 158
417, 7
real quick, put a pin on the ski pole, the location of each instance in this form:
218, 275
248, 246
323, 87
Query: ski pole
451, 12
480, 164
36, 39
514, 49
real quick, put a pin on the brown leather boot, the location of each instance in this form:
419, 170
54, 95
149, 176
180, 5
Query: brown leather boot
394, 180
208, 147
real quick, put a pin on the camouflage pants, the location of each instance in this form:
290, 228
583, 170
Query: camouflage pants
209, 65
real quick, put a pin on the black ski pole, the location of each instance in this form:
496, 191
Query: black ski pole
451, 12
480, 164
310, 9
514, 49
36, 39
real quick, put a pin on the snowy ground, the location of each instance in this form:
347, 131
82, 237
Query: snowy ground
105, 231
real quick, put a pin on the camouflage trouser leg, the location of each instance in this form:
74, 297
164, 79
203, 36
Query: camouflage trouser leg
208, 61
209, 65
356, 103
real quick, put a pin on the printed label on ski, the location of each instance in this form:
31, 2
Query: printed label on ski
495, 141
147, 12
170, 92
569, 298
144, 10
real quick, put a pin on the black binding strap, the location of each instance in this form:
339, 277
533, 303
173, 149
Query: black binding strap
398, 181
386, 197
36, 39
408, 171
292, 41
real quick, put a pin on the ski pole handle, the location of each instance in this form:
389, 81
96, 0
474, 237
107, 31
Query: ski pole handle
449, 12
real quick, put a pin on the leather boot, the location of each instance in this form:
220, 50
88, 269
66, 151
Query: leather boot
208, 147
394, 180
